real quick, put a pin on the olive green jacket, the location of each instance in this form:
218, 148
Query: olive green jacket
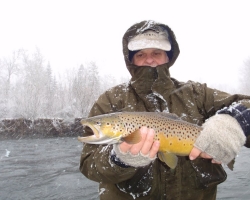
153, 90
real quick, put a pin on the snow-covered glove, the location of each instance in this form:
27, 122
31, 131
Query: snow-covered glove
138, 160
221, 138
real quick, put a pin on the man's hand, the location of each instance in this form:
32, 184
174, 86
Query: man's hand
220, 140
140, 154
147, 145
195, 153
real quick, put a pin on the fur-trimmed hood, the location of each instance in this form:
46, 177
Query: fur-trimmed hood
142, 27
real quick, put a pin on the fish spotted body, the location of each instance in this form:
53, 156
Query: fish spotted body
175, 135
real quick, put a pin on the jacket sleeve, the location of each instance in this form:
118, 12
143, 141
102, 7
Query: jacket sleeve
96, 163
241, 112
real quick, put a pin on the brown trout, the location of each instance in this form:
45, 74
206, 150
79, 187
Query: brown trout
175, 135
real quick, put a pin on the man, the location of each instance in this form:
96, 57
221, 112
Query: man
127, 171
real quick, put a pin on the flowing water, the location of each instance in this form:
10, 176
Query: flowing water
49, 169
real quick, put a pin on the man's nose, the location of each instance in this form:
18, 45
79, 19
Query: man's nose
149, 59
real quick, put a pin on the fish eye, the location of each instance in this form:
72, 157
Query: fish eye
98, 123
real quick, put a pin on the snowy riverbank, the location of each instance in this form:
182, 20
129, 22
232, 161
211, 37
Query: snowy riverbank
39, 128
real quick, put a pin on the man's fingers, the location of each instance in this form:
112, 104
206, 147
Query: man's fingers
197, 153
154, 149
204, 155
215, 162
136, 148
148, 142
125, 147
194, 153
147, 145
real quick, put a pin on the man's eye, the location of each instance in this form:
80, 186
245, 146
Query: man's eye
157, 53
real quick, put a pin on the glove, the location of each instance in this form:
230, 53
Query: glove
221, 138
138, 160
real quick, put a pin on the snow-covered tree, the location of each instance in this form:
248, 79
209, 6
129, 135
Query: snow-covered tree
86, 88
35, 92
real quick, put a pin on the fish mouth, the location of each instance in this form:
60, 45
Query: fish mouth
97, 137
92, 125
95, 129
94, 140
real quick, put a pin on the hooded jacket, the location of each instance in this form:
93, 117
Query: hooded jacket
154, 90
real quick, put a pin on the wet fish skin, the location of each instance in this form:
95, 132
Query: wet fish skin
175, 135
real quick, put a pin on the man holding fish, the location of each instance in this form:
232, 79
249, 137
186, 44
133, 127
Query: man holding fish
158, 138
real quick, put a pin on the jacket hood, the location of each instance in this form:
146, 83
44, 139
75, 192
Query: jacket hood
140, 28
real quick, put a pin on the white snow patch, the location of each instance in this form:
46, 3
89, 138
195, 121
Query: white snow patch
7, 153
101, 190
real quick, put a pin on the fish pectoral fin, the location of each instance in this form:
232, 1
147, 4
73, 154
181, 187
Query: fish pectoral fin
169, 158
133, 138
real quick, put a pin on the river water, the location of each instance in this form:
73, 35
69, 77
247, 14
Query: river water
49, 169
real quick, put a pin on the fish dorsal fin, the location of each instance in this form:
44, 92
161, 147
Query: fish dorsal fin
133, 137
169, 115
169, 158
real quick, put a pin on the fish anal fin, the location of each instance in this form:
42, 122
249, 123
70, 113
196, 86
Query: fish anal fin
133, 138
169, 158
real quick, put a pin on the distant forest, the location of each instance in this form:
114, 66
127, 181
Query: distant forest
29, 88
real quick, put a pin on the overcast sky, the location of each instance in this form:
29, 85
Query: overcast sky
214, 35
